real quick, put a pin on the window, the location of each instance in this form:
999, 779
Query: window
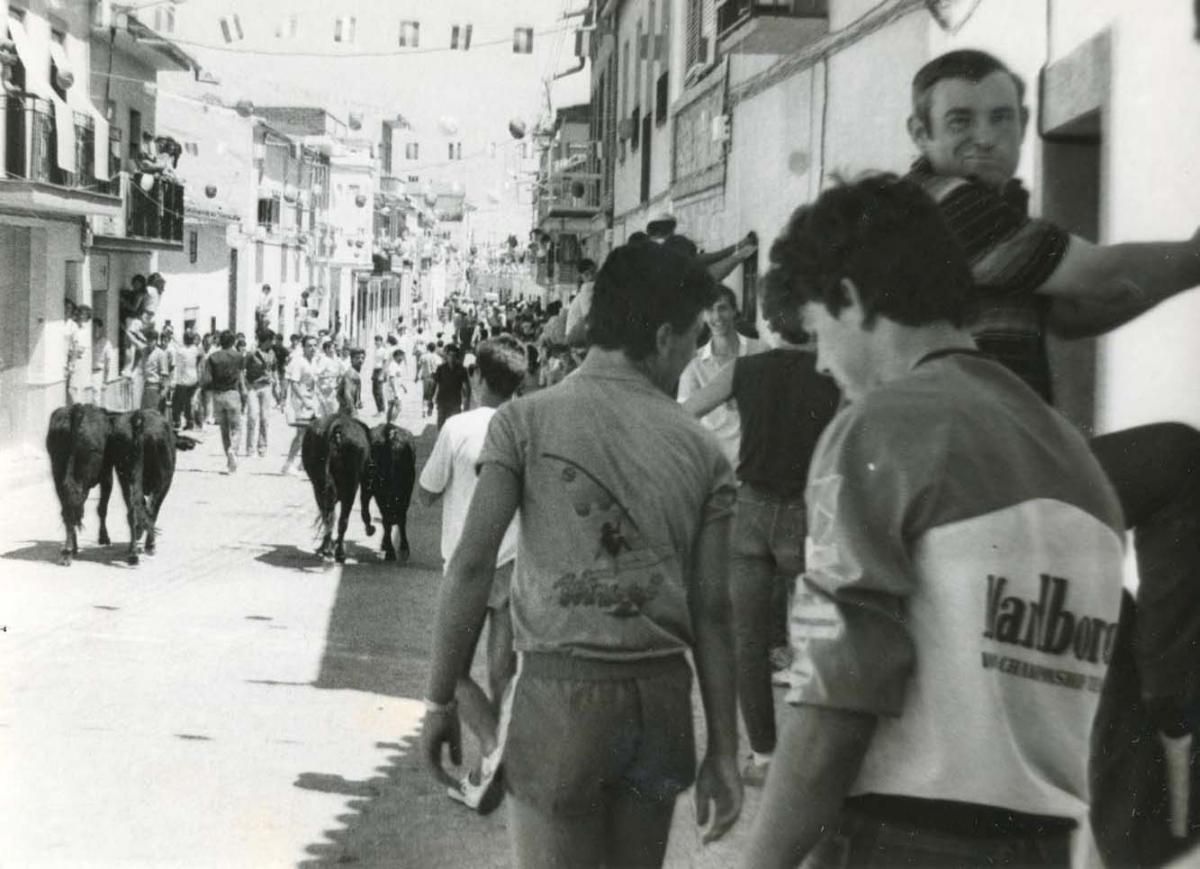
455, 149
283, 258
259, 254
410, 34
193, 245
287, 27
344, 29
412, 150
662, 102
296, 262
190, 316
164, 18
522, 40
460, 37
268, 212
414, 179
135, 133
231, 28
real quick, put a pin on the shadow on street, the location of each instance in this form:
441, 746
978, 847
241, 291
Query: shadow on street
379, 638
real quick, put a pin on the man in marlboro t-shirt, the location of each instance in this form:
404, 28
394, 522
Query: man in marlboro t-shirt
963, 581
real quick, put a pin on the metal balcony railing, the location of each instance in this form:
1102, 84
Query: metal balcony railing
31, 143
732, 13
156, 213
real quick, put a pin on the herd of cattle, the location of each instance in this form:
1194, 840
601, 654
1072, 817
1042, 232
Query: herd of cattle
342, 458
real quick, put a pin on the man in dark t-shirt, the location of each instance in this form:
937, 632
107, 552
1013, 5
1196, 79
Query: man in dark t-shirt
227, 383
451, 386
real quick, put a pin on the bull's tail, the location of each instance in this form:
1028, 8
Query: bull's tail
74, 494
328, 490
137, 465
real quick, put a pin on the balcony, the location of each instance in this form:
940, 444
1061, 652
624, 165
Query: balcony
152, 218
33, 179
571, 181
765, 27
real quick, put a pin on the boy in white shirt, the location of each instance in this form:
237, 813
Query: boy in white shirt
450, 472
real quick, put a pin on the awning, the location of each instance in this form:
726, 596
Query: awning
77, 99
38, 84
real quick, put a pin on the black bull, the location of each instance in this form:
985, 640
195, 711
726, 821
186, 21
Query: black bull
343, 458
87, 443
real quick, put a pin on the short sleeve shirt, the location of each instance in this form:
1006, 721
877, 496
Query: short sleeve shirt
1011, 256
451, 470
963, 584
617, 484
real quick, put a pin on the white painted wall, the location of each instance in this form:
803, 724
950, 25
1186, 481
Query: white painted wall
203, 284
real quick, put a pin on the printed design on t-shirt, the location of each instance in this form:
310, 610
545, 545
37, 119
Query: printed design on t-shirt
622, 577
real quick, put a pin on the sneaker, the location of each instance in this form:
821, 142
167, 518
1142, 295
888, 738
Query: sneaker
754, 774
481, 789
232, 461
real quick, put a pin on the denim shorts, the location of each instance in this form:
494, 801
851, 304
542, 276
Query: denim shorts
579, 731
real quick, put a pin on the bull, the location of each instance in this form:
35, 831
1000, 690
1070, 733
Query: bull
335, 452
87, 444
392, 474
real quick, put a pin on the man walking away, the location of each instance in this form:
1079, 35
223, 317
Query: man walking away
379, 363
260, 377
449, 476
950, 648
227, 383
349, 392
621, 572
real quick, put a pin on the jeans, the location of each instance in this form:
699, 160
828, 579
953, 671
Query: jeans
181, 405
227, 408
861, 841
258, 402
767, 543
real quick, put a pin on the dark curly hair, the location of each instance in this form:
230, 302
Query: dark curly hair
640, 287
887, 236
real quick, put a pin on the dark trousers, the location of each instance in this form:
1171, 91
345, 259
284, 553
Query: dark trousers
377, 389
445, 411
152, 397
1155, 470
181, 405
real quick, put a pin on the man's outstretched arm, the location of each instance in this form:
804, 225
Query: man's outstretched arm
816, 762
1097, 288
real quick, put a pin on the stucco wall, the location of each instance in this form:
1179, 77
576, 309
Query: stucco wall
203, 284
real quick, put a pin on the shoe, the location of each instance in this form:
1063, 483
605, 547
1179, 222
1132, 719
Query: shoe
782, 678
232, 461
481, 789
754, 774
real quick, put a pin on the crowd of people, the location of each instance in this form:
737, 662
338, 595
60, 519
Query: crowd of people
887, 484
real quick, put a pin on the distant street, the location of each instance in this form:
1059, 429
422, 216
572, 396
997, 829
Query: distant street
233, 701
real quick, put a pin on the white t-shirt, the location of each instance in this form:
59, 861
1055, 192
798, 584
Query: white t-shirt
451, 471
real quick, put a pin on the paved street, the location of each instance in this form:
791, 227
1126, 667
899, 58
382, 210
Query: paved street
233, 701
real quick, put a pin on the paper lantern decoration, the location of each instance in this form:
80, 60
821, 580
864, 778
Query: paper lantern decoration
244, 108
360, 200
146, 182
448, 125
210, 190
65, 77
516, 127
430, 197
798, 162
358, 243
